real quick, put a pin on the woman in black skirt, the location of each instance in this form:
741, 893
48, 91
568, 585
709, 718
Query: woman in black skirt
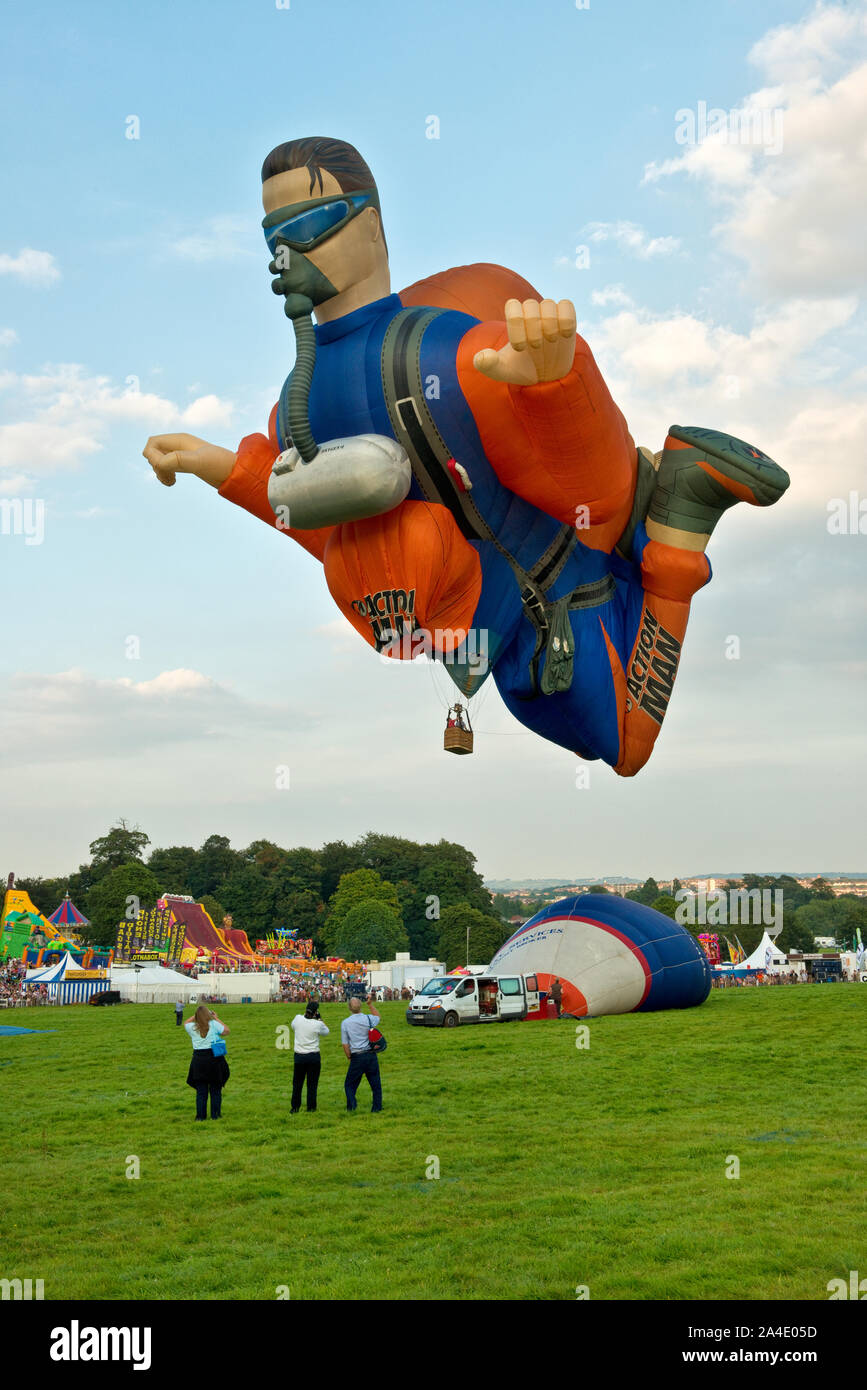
208, 1074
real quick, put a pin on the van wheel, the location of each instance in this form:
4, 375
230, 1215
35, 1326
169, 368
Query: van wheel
450, 1020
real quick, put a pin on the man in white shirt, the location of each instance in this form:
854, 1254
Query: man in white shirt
308, 1029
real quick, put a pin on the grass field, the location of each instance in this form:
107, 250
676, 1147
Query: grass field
602, 1167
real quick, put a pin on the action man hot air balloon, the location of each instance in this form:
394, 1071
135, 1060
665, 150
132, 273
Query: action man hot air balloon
453, 457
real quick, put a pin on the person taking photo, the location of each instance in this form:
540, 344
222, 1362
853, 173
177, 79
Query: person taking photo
363, 1061
308, 1029
207, 1074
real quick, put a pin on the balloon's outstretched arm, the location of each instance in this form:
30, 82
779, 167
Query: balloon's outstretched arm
561, 444
170, 454
247, 487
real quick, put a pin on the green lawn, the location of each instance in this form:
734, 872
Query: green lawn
558, 1167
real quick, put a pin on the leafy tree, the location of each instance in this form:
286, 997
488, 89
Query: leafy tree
250, 897
486, 935
665, 904
646, 894
423, 939
444, 876
122, 845
337, 858
361, 885
796, 935
110, 898
371, 930
213, 863
821, 888
838, 918
173, 867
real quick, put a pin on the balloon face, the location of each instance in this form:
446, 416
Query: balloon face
611, 955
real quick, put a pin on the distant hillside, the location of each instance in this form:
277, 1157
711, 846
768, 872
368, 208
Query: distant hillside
542, 885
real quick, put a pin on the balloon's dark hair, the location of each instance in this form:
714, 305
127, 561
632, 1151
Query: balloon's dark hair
315, 153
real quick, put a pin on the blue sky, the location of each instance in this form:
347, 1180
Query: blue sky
725, 287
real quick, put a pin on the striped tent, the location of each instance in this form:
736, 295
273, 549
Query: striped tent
50, 974
74, 991
67, 915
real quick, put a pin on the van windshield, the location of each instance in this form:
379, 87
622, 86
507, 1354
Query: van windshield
439, 986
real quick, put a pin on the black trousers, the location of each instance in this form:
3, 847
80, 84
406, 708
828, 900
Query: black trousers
202, 1101
178, 1018
307, 1067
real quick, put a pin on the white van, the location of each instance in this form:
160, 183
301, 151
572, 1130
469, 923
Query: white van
448, 1000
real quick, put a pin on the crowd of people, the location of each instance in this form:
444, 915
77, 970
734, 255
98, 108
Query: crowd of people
328, 988
14, 990
778, 977
333, 991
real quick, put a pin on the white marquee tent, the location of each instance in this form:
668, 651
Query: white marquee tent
155, 984
766, 956
152, 984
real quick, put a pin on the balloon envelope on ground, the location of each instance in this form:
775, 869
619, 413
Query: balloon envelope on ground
612, 956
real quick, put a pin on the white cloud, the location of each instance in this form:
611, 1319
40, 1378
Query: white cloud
795, 216
632, 239
8, 336
36, 268
222, 238
824, 42
178, 682
208, 411
763, 385
69, 415
16, 486
611, 294
72, 714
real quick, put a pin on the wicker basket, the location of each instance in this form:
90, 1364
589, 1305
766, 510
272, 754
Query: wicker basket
458, 740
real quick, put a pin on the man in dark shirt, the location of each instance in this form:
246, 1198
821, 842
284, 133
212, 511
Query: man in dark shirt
557, 995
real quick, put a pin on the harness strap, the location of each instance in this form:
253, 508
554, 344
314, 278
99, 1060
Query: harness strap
416, 430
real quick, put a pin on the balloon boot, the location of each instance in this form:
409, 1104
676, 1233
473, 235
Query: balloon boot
704, 472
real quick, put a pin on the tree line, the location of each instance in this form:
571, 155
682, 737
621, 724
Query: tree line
374, 897
364, 900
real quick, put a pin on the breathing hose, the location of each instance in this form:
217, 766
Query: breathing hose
299, 309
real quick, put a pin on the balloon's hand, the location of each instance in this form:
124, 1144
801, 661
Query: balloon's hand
170, 454
541, 344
